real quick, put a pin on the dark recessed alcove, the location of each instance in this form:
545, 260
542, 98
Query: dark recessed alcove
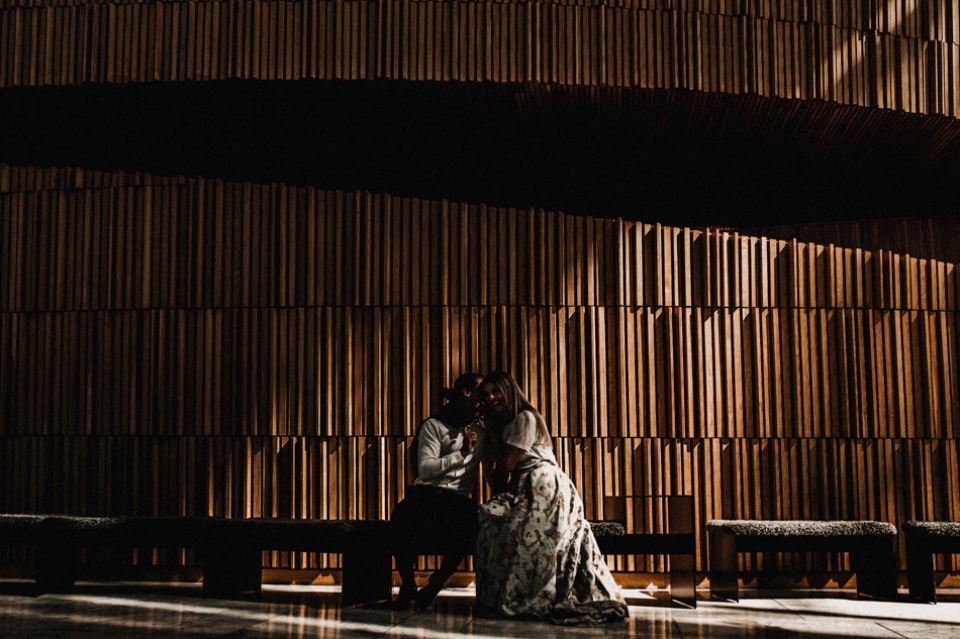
676, 157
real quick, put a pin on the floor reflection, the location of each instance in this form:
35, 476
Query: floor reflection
170, 610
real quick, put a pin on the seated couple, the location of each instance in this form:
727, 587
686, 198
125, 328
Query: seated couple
534, 552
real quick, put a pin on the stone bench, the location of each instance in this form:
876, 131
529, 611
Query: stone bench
230, 550
922, 540
872, 546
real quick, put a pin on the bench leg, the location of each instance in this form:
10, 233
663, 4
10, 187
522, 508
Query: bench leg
231, 571
683, 568
367, 577
56, 567
920, 577
683, 579
722, 560
876, 566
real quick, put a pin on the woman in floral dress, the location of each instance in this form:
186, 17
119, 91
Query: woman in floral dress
536, 555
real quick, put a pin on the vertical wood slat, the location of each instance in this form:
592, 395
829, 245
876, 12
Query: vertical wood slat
822, 57
661, 266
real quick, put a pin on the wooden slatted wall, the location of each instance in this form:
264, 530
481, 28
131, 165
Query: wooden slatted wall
900, 55
200, 347
931, 238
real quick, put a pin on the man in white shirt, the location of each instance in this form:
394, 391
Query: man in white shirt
439, 507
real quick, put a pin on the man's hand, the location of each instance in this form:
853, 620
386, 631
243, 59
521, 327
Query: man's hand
469, 439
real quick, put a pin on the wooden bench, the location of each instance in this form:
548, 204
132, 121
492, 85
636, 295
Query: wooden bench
871, 544
922, 540
613, 539
677, 541
230, 550
363, 545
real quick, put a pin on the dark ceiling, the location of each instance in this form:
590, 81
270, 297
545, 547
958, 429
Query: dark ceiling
677, 158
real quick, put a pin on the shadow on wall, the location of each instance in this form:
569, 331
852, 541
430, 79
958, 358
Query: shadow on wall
637, 155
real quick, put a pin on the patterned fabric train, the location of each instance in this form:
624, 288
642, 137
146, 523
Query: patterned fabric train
536, 555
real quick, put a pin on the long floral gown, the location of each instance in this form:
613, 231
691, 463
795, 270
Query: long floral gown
536, 555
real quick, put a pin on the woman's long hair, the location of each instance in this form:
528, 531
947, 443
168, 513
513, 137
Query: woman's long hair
516, 402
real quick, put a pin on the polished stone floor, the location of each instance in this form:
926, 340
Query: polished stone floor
137, 610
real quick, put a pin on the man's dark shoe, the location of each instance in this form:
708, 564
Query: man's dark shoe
428, 593
405, 597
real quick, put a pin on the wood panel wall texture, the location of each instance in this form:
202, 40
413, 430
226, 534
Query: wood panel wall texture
173, 245
198, 347
931, 238
901, 55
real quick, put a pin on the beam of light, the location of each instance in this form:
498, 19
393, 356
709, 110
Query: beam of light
254, 617
850, 618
